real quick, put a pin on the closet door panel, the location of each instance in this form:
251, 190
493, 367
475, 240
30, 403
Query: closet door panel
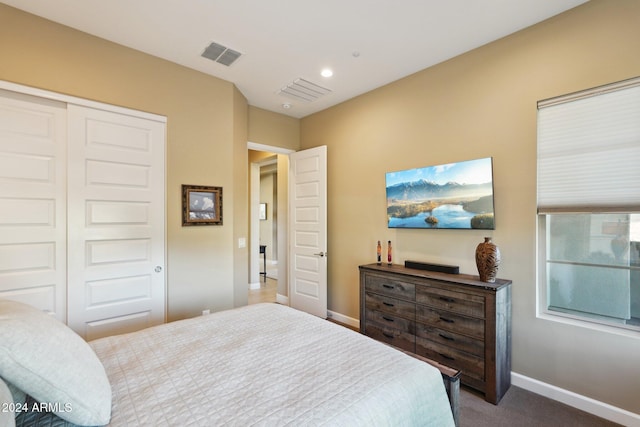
33, 201
116, 222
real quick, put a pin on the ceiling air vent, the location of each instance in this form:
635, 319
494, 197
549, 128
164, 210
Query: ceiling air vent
304, 90
221, 54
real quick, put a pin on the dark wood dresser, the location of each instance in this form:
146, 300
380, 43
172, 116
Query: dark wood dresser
454, 319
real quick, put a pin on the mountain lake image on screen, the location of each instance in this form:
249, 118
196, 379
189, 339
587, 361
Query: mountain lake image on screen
451, 196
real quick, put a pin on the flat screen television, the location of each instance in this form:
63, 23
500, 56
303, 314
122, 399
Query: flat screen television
452, 196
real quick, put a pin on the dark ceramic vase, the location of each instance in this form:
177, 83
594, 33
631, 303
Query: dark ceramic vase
487, 260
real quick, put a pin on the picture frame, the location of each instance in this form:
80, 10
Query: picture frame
262, 213
201, 205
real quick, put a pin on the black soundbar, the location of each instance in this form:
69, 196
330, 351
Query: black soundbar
441, 268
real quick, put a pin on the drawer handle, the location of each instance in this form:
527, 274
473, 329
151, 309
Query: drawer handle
388, 304
388, 319
447, 337
445, 299
388, 286
446, 356
444, 319
388, 335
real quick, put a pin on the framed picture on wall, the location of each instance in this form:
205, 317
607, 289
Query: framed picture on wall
262, 213
201, 205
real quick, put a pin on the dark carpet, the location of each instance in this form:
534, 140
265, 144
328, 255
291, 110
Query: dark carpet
522, 408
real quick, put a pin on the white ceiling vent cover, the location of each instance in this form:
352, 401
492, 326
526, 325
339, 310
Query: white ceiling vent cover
221, 54
304, 90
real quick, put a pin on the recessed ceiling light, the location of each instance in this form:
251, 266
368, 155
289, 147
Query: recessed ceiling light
286, 106
326, 72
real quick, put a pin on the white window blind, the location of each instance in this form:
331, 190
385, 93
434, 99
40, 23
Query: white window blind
589, 150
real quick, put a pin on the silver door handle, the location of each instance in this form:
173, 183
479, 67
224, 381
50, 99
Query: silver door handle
158, 269
321, 254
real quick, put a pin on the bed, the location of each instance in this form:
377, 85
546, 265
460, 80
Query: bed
263, 365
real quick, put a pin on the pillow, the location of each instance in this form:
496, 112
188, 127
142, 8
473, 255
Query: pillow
7, 417
47, 360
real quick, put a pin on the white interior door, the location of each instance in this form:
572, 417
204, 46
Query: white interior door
308, 230
116, 278
32, 201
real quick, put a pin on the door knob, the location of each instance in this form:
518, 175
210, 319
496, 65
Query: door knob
158, 269
321, 254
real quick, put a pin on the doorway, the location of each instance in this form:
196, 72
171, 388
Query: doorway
268, 185
265, 290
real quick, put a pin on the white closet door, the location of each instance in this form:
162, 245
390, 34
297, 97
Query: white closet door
116, 278
32, 202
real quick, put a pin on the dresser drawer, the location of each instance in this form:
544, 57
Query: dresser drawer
451, 339
389, 321
457, 302
450, 321
391, 329
390, 305
391, 287
470, 365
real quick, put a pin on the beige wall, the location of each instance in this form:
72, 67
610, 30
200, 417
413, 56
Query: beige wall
276, 130
482, 104
268, 186
240, 218
206, 142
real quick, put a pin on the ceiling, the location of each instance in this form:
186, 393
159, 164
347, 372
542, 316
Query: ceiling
367, 43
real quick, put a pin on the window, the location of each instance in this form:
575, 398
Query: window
589, 205
593, 267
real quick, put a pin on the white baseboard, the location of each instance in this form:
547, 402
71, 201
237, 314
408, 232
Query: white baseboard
254, 286
586, 404
343, 319
282, 299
